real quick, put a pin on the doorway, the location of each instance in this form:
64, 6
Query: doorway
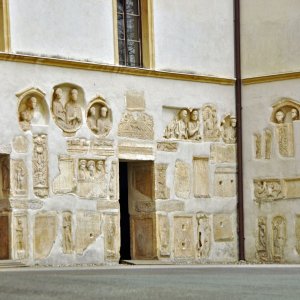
137, 210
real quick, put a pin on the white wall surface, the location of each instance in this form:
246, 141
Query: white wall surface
69, 28
270, 36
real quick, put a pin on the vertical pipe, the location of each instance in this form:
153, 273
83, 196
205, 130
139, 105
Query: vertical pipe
238, 101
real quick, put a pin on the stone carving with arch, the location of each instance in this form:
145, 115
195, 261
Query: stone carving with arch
67, 105
32, 108
99, 117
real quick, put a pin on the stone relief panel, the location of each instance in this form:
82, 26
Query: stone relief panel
78, 146
67, 233
167, 146
258, 145
129, 150
65, 182
111, 236
137, 125
267, 189
5, 175
91, 178
102, 147
87, 230
67, 105
268, 143
211, 131
228, 129
182, 179
279, 238
135, 100
225, 182
164, 235
222, 228
285, 139
40, 165
262, 240
32, 109
183, 237
297, 233
203, 235
19, 179
114, 181
220, 153
291, 188
20, 236
161, 189
20, 144
45, 230
99, 117
184, 126
201, 177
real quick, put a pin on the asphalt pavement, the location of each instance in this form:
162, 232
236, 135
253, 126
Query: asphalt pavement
154, 282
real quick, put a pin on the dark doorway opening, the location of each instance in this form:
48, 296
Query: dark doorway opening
124, 212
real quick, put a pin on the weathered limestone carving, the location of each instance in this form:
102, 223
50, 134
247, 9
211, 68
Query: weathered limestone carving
19, 178
291, 188
169, 205
99, 117
186, 125
164, 235
184, 237
91, 176
225, 182
20, 244
135, 100
228, 129
137, 125
67, 104
87, 230
258, 145
285, 138
268, 143
201, 176
167, 146
222, 228
111, 236
45, 230
33, 109
40, 165
161, 189
129, 150
203, 235
78, 146
220, 153
20, 144
67, 233
211, 130
279, 238
297, 233
102, 147
65, 182
262, 240
182, 179
267, 189
114, 181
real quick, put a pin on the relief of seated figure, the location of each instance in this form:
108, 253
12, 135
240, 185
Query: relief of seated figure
57, 106
194, 125
73, 110
103, 123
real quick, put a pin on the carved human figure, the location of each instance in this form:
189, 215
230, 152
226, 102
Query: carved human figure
19, 235
73, 110
67, 233
262, 240
26, 115
294, 114
100, 169
103, 123
40, 161
91, 169
260, 189
181, 124
257, 145
280, 116
210, 123
57, 106
194, 125
110, 235
91, 119
278, 238
19, 178
229, 131
268, 143
82, 172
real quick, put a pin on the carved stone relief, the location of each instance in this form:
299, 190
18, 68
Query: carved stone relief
65, 182
203, 235
102, 147
137, 125
258, 145
135, 100
167, 146
184, 126
128, 150
211, 130
184, 237
220, 153
114, 181
20, 144
67, 104
161, 189
262, 240
99, 117
19, 179
222, 228
225, 182
45, 231
228, 129
33, 109
291, 188
87, 230
285, 138
67, 233
279, 238
201, 176
182, 179
40, 165
78, 146
267, 189
268, 143
164, 235
20, 244
297, 233
111, 236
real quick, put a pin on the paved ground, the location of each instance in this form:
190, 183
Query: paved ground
155, 282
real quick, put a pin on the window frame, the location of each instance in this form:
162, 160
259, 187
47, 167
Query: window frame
4, 26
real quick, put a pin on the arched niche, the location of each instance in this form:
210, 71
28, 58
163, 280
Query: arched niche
67, 106
99, 117
285, 111
32, 109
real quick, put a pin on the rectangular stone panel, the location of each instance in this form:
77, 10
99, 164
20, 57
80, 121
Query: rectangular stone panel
182, 179
20, 236
292, 188
164, 235
220, 153
222, 228
169, 205
225, 182
201, 176
111, 236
